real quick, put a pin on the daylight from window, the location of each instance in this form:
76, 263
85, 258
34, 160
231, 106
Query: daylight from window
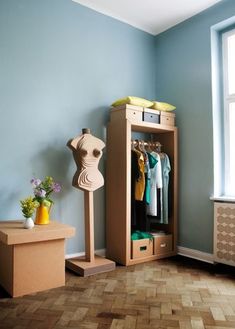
231, 187
231, 64
229, 111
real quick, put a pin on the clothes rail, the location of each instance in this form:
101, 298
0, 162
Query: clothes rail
142, 143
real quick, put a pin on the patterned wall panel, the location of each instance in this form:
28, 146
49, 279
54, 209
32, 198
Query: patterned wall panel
224, 233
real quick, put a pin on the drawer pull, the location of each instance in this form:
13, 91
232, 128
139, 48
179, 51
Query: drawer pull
163, 245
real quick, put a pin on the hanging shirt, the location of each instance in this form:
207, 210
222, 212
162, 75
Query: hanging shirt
155, 182
166, 168
150, 163
135, 174
140, 182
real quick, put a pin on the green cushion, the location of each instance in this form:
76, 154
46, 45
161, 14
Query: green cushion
132, 100
138, 235
161, 106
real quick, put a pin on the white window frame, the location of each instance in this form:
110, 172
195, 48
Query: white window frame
228, 99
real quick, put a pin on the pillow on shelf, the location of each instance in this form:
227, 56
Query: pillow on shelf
161, 106
132, 100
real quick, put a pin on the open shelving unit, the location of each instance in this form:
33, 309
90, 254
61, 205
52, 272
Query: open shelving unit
118, 184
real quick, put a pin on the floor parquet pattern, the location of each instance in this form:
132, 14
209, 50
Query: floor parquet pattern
166, 294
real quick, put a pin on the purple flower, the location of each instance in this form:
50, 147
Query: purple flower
40, 193
43, 189
35, 182
56, 187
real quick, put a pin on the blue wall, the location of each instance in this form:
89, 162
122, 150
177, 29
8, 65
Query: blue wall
61, 66
183, 72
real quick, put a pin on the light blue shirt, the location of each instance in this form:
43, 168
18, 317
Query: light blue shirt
166, 168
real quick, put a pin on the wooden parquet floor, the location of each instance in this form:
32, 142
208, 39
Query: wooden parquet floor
166, 294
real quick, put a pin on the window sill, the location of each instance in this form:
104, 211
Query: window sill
223, 199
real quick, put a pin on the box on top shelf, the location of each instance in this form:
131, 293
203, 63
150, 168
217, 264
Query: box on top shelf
126, 111
150, 115
135, 113
167, 118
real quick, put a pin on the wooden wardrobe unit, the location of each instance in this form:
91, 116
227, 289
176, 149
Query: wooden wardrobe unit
118, 183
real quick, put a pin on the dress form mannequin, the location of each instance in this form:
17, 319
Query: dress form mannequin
87, 151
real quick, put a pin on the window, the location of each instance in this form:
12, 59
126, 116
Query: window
228, 59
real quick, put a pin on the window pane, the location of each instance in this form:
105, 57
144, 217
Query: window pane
232, 148
231, 64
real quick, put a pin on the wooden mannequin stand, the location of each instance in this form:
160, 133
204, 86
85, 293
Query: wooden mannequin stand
87, 150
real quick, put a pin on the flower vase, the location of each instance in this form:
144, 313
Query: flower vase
28, 223
42, 215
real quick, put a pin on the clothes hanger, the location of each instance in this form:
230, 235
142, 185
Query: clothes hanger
133, 143
158, 147
149, 147
142, 146
139, 145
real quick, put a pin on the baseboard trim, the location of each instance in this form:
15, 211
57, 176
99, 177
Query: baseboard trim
187, 252
99, 252
196, 254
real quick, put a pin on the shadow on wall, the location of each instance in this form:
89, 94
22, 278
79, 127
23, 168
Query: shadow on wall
101, 117
7, 198
56, 160
53, 161
97, 122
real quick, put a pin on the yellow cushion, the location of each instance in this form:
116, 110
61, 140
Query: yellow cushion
161, 106
132, 100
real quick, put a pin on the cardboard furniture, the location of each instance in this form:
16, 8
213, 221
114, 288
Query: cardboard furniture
32, 260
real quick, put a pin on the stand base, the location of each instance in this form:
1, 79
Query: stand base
84, 268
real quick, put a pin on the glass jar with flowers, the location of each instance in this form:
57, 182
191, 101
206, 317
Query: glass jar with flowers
28, 206
42, 191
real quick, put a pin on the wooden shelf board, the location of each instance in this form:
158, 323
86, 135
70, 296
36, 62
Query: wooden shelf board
13, 232
151, 127
150, 258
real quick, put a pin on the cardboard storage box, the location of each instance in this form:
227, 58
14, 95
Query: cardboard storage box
129, 112
150, 115
141, 248
32, 260
162, 244
167, 118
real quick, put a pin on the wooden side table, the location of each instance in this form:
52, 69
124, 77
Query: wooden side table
32, 260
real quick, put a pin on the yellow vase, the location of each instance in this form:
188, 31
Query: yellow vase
42, 215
